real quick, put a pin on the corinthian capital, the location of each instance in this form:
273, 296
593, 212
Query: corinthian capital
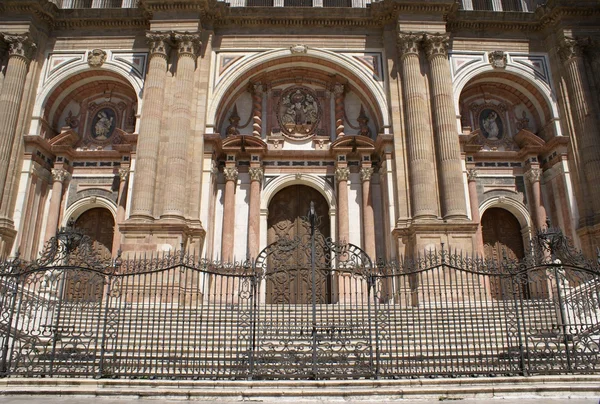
436, 45
342, 173
570, 48
60, 174
231, 173
366, 173
20, 45
187, 43
158, 42
534, 175
256, 173
409, 43
472, 175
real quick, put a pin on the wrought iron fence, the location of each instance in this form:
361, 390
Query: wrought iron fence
305, 308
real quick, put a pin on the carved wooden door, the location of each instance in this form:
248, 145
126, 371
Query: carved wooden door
501, 236
290, 281
98, 223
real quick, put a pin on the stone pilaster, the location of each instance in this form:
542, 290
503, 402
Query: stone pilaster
188, 46
474, 204
256, 177
367, 211
447, 145
59, 177
231, 176
150, 128
534, 176
257, 99
341, 176
586, 126
420, 148
338, 93
121, 201
20, 51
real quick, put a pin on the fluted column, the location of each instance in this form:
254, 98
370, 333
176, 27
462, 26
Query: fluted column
256, 176
584, 118
121, 200
59, 176
338, 93
175, 186
231, 176
420, 149
474, 204
534, 176
367, 210
144, 185
20, 50
341, 175
447, 145
257, 100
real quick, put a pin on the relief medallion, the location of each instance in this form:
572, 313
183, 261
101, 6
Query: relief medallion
103, 124
298, 112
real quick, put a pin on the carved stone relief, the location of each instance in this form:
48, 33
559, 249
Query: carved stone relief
298, 112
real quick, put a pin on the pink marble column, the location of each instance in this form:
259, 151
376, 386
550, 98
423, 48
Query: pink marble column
474, 204
231, 176
534, 175
121, 200
367, 210
256, 176
341, 175
338, 93
257, 100
59, 176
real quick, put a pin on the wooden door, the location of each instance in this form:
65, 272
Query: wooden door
290, 280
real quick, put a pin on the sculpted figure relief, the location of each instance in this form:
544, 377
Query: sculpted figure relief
299, 112
490, 124
103, 124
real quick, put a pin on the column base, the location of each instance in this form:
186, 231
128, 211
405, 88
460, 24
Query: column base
161, 236
419, 236
8, 235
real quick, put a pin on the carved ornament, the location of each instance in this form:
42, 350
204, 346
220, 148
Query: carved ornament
365, 173
299, 49
570, 48
230, 173
234, 122
123, 174
342, 173
408, 44
158, 42
96, 58
534, 175
60, 174
256, 174
436, 45
472, 175
20, 45
299, 112
187, 43
497, 59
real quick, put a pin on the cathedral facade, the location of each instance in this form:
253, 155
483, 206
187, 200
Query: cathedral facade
216, 125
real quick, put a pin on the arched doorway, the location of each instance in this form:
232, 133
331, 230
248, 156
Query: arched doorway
502, 239
99, 225
287, 220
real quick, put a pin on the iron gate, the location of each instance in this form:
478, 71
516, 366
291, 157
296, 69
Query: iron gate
306, 308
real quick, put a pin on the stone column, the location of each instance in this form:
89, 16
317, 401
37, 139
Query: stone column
175, 188
256, 176
341, 175
257, 99
367, 211
586, 125
474, 204
420, 148
338, 93
447, 145
59, 176
534, 175
20, 49
121, 200
231, 176
142, 202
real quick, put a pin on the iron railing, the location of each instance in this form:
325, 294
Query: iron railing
305, 308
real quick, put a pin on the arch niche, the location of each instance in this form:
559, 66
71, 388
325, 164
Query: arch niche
290, 281
99, 224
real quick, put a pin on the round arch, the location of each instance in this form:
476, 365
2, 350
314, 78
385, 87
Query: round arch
284, 181
87, 203
516, 208
226, 87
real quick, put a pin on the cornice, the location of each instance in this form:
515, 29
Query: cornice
42, 11
101, 18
